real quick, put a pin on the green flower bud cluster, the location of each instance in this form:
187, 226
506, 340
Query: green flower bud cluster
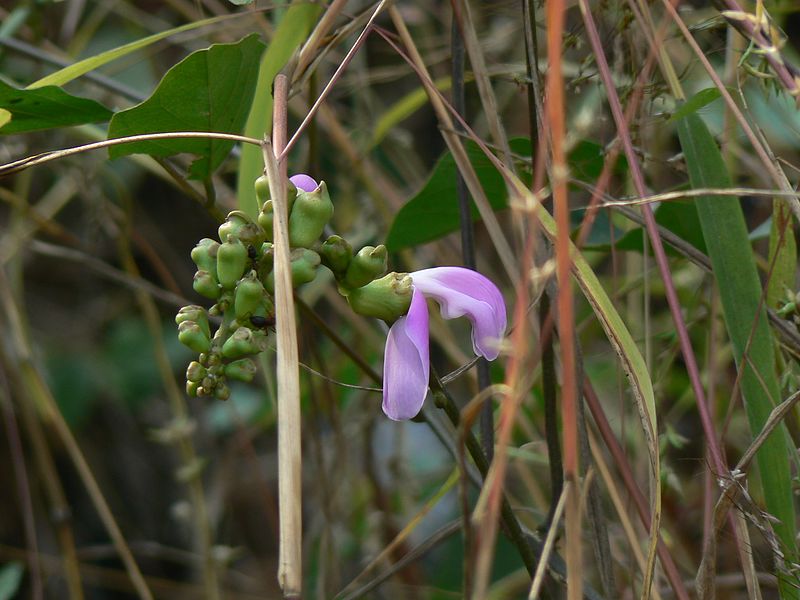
236, 273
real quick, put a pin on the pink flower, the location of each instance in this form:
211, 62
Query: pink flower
303, 182
459, 292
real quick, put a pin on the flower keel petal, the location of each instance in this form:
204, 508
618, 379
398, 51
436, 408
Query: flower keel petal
463, 292
406, 365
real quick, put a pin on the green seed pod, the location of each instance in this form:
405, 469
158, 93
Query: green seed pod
309, 215
204, 255
243, 369
387, 298
336, 253
195, 372
193, 337
369, 263
243, 342
191, 388
194, 313
248, 296
266, 216
221, 392
231, 262
206, 285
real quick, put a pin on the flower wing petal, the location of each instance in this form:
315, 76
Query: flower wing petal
406, 365
460, 292
303, 182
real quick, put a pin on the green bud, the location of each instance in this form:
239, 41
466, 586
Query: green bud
262, 189
193, 337
304, 263
191, 389
266, 216
231, 262
387, 298
243, 369
265, 261
206, 285
243, 342
204, 255
195, 372
221, 392
248, 296
336, 253
235, 220
309, 215
194, 313
369, 263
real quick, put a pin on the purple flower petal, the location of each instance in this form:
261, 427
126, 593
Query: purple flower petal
303, 182
405, 363
462, 292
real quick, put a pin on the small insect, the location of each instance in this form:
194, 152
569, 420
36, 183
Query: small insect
251, 252
262, 322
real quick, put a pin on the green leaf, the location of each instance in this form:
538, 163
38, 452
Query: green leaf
10, 578
680, 217
696, 102
290, 33
45, 108
209, 90
740, 290
433, 212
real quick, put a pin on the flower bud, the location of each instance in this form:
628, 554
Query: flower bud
266, 216
191, 388
243, 369
204, 255
387, 298
193, 337
206, 285
222, 392
195, 372
309, 215
243, 342
369, 263
248, 296
231, 262
194, 313
304, 268
336, 253
265, 261
235, 220
262, 189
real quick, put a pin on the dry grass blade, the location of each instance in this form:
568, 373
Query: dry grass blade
538, 577
288, 371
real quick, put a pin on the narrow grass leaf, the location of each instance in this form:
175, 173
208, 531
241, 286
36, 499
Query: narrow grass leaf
740, 290
292, 30
696, 102
209, 90
73, 71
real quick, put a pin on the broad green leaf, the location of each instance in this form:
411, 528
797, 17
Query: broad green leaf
10, 578
679, 217
783, 253
696, 102
291, 31
740, 290
209, 90
433, 212
46, 108
79, 68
